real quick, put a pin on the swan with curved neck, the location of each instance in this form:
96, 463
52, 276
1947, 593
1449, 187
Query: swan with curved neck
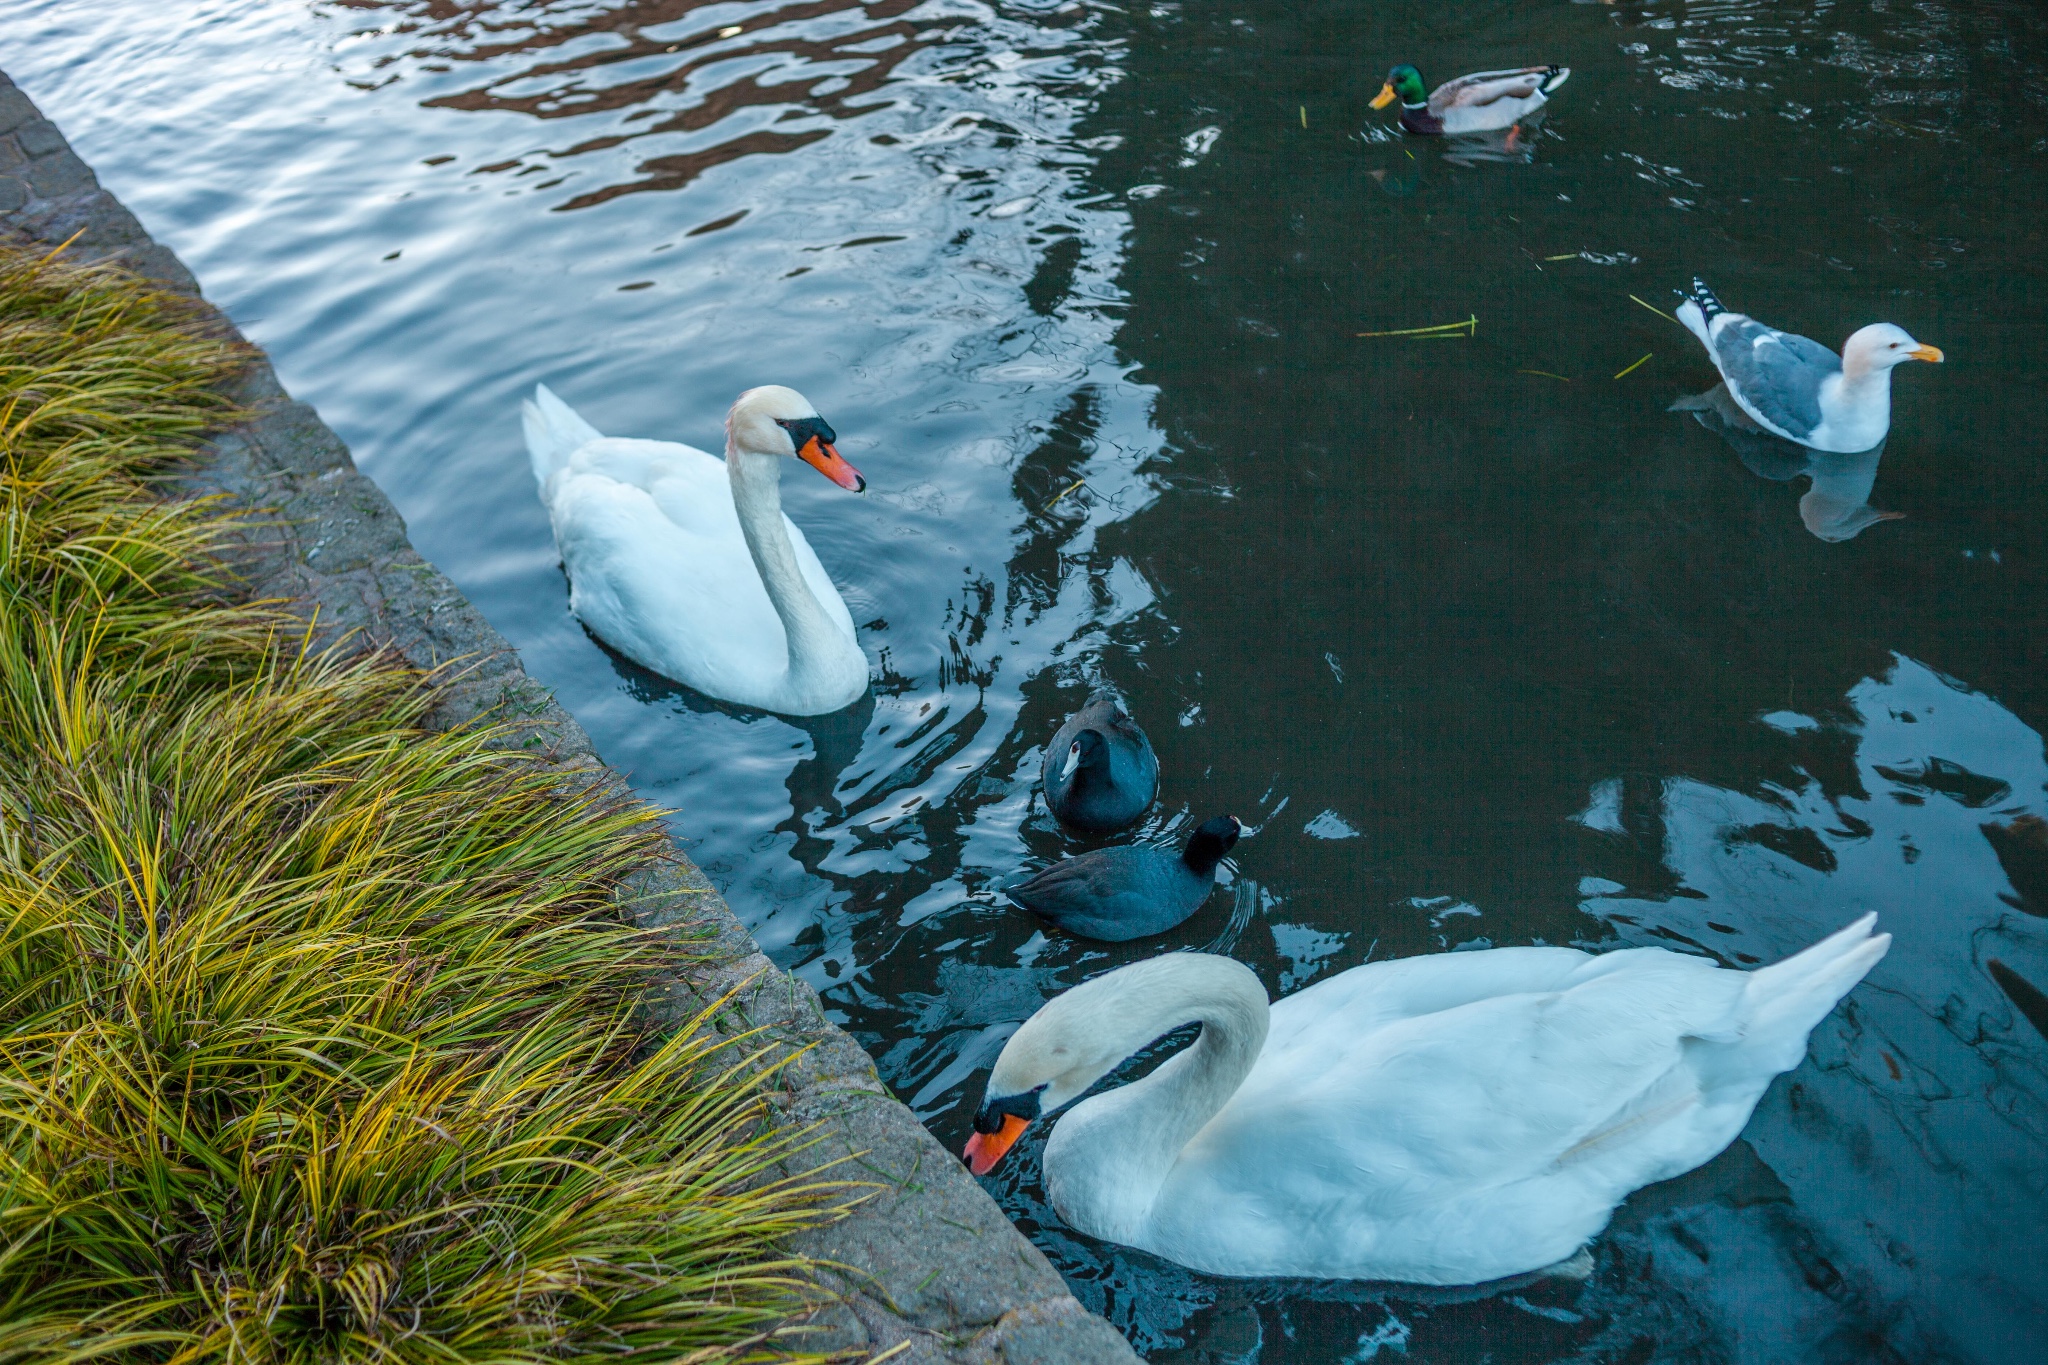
686, 564
1439, 1120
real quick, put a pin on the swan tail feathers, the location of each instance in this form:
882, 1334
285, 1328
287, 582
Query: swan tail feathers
554, 432
1782, 1003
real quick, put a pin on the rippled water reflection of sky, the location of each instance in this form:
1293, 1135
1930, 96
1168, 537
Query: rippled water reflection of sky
1486, 645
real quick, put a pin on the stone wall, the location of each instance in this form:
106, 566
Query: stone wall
928, 1268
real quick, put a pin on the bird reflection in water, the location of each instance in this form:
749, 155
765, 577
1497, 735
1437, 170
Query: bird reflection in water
1514, 146
1836, 506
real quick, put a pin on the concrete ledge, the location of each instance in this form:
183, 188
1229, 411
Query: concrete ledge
931, 1270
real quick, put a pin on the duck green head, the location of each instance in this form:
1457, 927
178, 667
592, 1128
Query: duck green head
1404, 83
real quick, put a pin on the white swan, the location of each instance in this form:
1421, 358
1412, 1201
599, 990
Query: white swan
685, 564
1437, 1120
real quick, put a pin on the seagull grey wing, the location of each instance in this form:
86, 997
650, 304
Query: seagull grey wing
1776, 375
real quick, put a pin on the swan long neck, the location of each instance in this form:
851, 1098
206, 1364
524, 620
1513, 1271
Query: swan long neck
1122, 1144
757, 498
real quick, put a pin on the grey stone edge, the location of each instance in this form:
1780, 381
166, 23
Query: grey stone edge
929, 1269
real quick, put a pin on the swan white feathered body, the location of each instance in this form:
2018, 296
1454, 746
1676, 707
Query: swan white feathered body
684, 562
1440, 1120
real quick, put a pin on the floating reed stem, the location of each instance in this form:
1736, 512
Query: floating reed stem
1468, 328
1655, 309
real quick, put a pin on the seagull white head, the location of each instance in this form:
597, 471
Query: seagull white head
773, 420
1880, 346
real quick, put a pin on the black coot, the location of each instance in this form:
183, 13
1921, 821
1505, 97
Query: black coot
1120, 893
1099, 771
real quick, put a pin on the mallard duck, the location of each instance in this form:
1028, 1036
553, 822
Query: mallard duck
1794, 387
1438, 1120
684, 563
1481, 103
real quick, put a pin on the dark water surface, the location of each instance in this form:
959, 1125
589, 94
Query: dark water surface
1489, 646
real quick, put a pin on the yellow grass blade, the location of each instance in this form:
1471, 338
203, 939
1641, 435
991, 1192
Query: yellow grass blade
1469, 327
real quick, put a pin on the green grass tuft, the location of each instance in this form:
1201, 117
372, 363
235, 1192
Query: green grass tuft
320, 1035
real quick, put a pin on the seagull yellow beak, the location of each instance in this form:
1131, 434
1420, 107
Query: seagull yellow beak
1931, 353
1385, 96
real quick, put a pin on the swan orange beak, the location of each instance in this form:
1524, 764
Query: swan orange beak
827, 460
984, 1150
1929, 353
1385, 96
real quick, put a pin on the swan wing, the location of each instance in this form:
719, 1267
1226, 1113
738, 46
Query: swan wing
1423, 1136
1365, 998
688, 485
1500, 1087
1496, 1062
684, 601
690, 489
554, 432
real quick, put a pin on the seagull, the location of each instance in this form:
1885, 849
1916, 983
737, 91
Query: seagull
1795, 387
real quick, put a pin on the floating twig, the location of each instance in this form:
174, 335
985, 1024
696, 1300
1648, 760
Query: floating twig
1546, 374
1304, 116
1078, 483
1633, 368
1568, 256
1655, 309
1468, 328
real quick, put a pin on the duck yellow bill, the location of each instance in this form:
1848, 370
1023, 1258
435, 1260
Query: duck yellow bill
827, 461
984, 1150
1932, 353
1385, 96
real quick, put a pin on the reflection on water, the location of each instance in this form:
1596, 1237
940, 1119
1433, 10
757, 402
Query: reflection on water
1506, 146
1903, 800
699, 83
1481, 644
1836, 505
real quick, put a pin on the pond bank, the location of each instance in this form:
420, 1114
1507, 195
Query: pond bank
932, 1269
